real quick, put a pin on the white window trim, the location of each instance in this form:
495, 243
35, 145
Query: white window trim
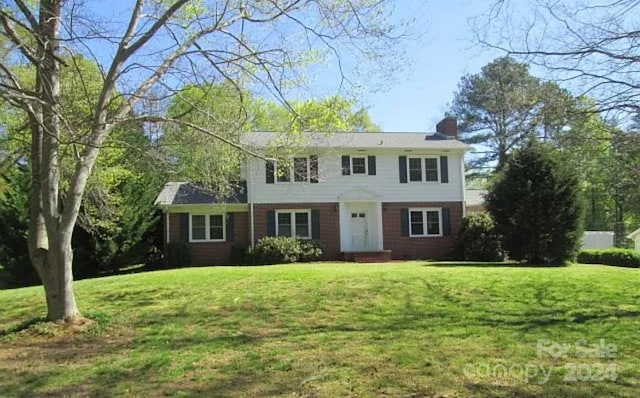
424, 211
207, 221
293, 221
366, 165
423, 170
292, 170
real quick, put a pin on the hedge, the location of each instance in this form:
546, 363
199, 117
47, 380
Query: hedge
617, 257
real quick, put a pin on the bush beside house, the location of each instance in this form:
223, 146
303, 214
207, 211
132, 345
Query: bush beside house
478, 239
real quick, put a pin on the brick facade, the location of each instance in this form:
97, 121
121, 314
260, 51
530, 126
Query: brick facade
401, 247
212, 253
329, 225
405, 247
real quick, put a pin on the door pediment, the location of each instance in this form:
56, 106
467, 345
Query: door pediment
359, 195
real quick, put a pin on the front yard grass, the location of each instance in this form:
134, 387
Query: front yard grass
410, 329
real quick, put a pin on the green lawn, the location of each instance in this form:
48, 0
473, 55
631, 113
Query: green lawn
332, 329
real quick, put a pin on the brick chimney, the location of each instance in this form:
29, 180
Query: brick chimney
448, 126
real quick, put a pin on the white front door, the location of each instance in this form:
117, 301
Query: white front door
359, 231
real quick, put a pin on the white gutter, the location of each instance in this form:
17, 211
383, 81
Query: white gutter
250, 200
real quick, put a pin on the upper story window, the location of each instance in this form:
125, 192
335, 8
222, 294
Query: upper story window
297, 169
415, 169
424, 169
358, 165
207, 227
283, 172
428, 165
300, 169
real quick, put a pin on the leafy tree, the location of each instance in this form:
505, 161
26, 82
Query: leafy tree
162, 45
118, 209
193, 156
535, 202
230, 111
504, 105
332, 114
606, 160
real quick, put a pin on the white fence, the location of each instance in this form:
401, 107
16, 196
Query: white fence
597, 240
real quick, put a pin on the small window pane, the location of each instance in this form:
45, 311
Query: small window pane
302, 225
284, 224
300, 169
216, 227
354, 215
433, 223
415, 169
358, 166
198, 228
431, 169
417, 225
284, 172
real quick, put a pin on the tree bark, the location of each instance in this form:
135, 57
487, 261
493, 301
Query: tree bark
49, 235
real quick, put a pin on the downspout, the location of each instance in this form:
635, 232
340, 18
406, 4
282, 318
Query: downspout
464, 186
250, 200
168, 216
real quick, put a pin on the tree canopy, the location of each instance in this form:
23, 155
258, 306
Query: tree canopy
503, 106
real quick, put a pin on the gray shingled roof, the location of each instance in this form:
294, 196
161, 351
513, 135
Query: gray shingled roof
184, 193
356, 140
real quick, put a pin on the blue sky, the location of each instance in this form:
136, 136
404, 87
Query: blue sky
438, 55
445, 52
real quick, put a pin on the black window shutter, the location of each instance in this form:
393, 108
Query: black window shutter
404, 222
271, 223
444, 169
315, 224
229, 227
346, 165
270, 171
446, 222
184, 227
313, 166
372, 165
402, 168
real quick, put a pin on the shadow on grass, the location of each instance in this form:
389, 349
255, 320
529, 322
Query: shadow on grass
505, 264
28, 324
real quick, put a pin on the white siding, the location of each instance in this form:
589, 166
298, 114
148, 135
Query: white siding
385, 184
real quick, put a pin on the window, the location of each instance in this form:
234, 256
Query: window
207, 227
300, 169
425, 222
283, 172
293, 223
430, 167
296, 169
359, 165
415, 169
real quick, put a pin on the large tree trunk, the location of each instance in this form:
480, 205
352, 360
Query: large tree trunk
57, 278
49, 231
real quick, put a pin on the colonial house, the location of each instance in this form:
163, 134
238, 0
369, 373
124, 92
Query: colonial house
364, 196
